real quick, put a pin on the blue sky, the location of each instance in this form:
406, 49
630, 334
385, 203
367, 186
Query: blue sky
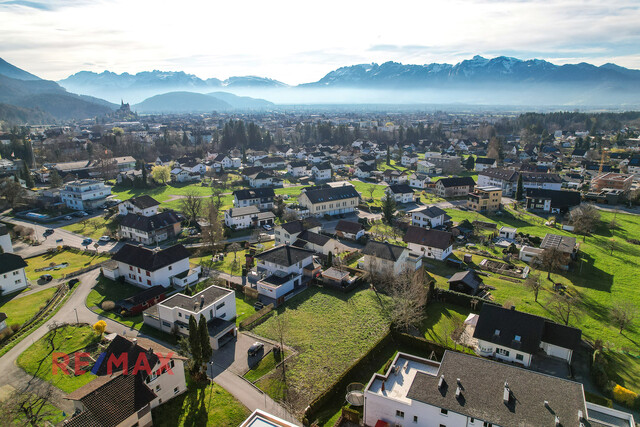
298, 42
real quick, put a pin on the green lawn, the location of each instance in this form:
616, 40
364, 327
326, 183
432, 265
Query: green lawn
37, 359
19, 310
227, 265
201, 406
363, 189
265, 366
330, 331
93, 227
244, 307
437, 323
109, 290
290, 191
598, 281
75, 261
624, 369
164, 194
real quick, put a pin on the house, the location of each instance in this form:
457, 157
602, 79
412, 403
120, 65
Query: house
318, 243
508, 233
3, 321
545, 181
366, 159
142, 205
261, 179
287, 233
298, 169
448, 164
270, 162
485, 199
385, 258
261, 418
222, 161
139, 302
392, 176
565, 245
129, 177
364, 170
455, 187
328, 200
515, 336
612, 181
184, 175
506, 179
349, 230
5, 240
462, 390
150, 267
253, 156
280, 271
248, 171
248, 216
216, 304
408, 159
429, 243
150, 229
260, 197
529, 253
428, 217
633, 167
466, 282
12, 275
419, 180
428, 168
483, 163
321, 171
400, 193
551, 201
84, 194
164, 160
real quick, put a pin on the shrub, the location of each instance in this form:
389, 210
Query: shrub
15, 327
108, 305
624, 396
599, 400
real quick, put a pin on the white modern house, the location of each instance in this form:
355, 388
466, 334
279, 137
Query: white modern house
400, 193
430, 243
466, 391
216, 304
12, 275
280, 270
249, 216
150, 267
84, 194
298, 169
428, 217
508, 233
260, 180
142, 205
287, 233
419, 180
385, 258
515, 336
321, 171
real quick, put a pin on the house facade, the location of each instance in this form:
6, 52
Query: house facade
455, 187
385, 258
428, 217
400, 193
249, 216
328, 200
280, 270
12, 275
260, 197
150, 229
429, 243
485, 199
84, 194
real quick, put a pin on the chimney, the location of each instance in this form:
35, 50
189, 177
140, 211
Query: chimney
134, 341
458, 392
546, 404
201, 301
506, 395
557, 421
441, 382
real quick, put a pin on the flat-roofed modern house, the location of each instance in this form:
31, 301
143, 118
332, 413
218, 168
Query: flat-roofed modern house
263, 419
485, 199
612, 181
84, 194
329, 200
429, 243
216, 304
150, 267
385, 258
515, 336
280, 271
467, 391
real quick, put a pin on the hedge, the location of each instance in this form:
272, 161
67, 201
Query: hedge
598, 400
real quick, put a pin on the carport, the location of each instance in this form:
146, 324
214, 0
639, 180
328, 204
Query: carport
221, 331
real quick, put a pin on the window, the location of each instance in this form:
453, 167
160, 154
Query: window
517, 338
165, 323
442, 425
472, 421
519, 357
170, 268
130, 268
148, 282
138, 271
502, 351
157, 388
18, 281
415, 418
176, 390
179, 314
399, 414
486, 424
219, 306
148, 274
172, 364
444, 412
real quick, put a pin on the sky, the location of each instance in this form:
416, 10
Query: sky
297, 41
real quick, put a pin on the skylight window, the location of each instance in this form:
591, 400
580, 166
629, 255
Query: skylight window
518, 338
497, 332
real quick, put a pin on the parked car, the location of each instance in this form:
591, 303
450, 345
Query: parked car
255, 348
267, 227
48, 231
46, 277
105, 239
87, 241
67, 218
83, 213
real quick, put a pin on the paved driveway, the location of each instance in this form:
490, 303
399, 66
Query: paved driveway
550, 366
233, 355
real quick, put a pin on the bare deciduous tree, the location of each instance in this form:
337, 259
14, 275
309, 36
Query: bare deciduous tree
564, 306
623, 314
409, 297
534, 284
584, 219
280, 328
191, 206
213, 233
550, 260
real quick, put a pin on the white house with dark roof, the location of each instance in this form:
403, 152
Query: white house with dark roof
248, 216
363, 170
483, 163
150, 267
419, 180
149, 229
429, 243
261, 197
428, 217
287, 233
462, 390
280, 270
385, 258
260, 180
349, 230
12, 275
328, 200
400, 193
321, 171
298, 169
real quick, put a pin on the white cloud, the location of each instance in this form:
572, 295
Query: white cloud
298, 42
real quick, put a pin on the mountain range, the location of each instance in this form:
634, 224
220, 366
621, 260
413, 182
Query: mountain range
193, 102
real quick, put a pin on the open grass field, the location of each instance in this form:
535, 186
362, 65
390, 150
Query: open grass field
209, 405
169, 195
363, 189
263, 367
599, 279
290, 191
330, 330
227, 265
75, 261
37, 359
437, 321
19, 310
108, 290
93, 227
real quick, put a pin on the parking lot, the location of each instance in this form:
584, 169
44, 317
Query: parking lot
233, 355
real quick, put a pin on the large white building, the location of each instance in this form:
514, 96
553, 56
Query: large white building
216, 304
12, 275
429, 243
150, 267
248, 216
467, 391
329, 200
85, 194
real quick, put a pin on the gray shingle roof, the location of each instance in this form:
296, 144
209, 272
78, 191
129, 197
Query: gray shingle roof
10, 262
144, 202
383, 250
148, 259
284, 255
150, 223
432, 238
458, 181
326, 193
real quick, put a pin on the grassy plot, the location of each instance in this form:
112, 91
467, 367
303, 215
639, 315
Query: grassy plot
19, 310
37, 359
364, 187
201, 405
93, 227
169, 195
263, 367
75, 261
290, 191
228, 265
244, 307
624, 369
437, 323
330, 330
109, 290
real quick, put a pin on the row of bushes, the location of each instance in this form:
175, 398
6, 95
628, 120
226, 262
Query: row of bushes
350, 257
257, 318
9, 331
609, 387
